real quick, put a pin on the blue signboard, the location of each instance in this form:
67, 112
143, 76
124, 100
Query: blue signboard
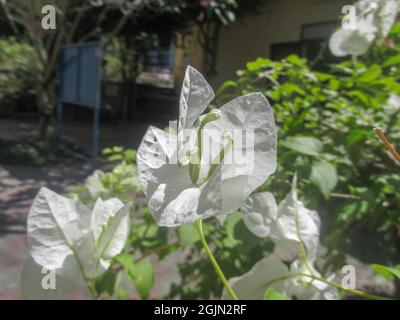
80, 84
80, 74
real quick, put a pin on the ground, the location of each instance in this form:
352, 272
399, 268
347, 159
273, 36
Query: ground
20, 184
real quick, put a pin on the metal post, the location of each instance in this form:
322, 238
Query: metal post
96, 133
59, 126
96, 126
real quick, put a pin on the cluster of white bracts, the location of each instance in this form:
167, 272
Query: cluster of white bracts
294, 229
75, 242
373, 18
164, 165
72, 241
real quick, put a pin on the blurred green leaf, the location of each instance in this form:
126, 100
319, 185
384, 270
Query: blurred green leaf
143, 277
391, 61
188, 234
370, 75
115, 157
106, 282
324, 176
258, 64
272, 294
305, 145
387, 272
117, 149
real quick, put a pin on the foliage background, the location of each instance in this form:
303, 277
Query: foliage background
325, 122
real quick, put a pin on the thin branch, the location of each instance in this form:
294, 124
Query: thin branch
345, 196
387, 144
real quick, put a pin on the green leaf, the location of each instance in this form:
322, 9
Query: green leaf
106, 282
294, 59
272, 294
305, 145
130, 155
127, 262
392, 61
258, 64
324, 176
106, 151
188, 234
117, 149
370, 75
226, 85
360, 96
115, 157
143, 277
387, 272
289, 88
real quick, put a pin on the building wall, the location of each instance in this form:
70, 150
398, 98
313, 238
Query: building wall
280, 21
187, 52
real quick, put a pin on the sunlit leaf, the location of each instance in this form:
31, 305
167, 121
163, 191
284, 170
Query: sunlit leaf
305, 145
324, 176
272, 294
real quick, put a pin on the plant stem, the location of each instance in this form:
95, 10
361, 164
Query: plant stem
214, 262
351, 291
332, 284
387, 144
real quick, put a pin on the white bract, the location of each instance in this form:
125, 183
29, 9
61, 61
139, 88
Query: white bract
74, 242
373, 18
291, 225
270, 272
213, 162
295, 231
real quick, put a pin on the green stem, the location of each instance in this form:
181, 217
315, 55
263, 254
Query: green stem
332, 284
214, 262
351, 291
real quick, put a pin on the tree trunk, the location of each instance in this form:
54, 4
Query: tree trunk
45, 106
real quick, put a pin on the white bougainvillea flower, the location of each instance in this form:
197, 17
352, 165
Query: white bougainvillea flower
270, 272
373, 18
186, 175
290, 224
345, 42
69, 239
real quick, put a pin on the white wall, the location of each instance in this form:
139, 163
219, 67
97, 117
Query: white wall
280, 21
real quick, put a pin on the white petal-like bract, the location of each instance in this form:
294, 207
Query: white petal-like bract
235, 148
66, 238
253, 284
290, 224
55, 225
259, 214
